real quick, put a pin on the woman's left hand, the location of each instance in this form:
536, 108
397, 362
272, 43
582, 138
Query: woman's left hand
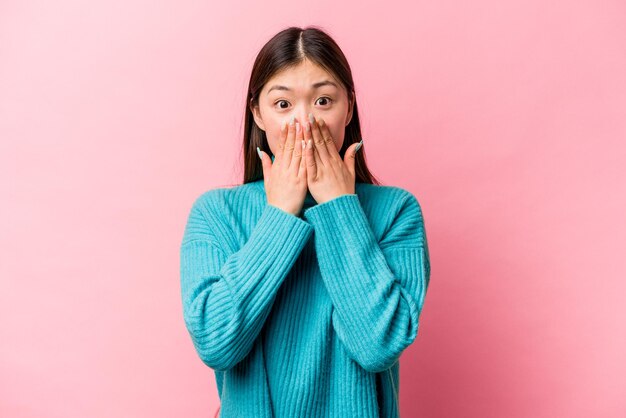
328, 176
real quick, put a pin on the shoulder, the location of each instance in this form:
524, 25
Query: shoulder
395, 214
220, 200
216, 214
392, 211
388, 200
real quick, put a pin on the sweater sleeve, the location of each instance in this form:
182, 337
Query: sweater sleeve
377, 288
227, 294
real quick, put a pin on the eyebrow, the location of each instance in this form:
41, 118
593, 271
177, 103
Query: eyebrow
315, 86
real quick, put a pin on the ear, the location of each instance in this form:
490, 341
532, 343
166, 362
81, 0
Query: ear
254, 108
351, 101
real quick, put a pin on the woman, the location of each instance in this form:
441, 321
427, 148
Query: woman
302, 287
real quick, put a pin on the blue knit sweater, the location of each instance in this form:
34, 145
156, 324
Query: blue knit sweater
304, 316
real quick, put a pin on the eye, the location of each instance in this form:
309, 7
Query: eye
278, 103
283, 101
326, 98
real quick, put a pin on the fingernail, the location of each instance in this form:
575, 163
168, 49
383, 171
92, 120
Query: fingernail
358, 147
258, 150
298, 127
311, 118
292, 119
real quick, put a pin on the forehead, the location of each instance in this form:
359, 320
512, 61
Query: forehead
300, 77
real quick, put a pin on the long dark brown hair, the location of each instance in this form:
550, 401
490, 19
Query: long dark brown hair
288, 48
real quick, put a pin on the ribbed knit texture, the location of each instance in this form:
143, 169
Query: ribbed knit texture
304, 316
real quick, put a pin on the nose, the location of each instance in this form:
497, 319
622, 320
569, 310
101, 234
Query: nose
301, 110
303, 116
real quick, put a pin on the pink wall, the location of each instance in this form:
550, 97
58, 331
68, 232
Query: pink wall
507, 119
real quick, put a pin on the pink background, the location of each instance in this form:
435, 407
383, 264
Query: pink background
507, 119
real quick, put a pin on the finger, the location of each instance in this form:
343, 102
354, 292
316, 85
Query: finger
308, 135
311, 164
289, 143
320, 143
266, 163
302, 168
331, 147
297, 151
350, 157
283, 147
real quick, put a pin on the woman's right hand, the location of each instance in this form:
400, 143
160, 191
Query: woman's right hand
285, 179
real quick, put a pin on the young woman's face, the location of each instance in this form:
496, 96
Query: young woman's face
298, 91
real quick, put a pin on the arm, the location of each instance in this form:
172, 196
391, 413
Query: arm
228, 294
377, 288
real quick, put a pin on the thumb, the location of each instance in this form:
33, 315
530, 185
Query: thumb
266, 162
349, 157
